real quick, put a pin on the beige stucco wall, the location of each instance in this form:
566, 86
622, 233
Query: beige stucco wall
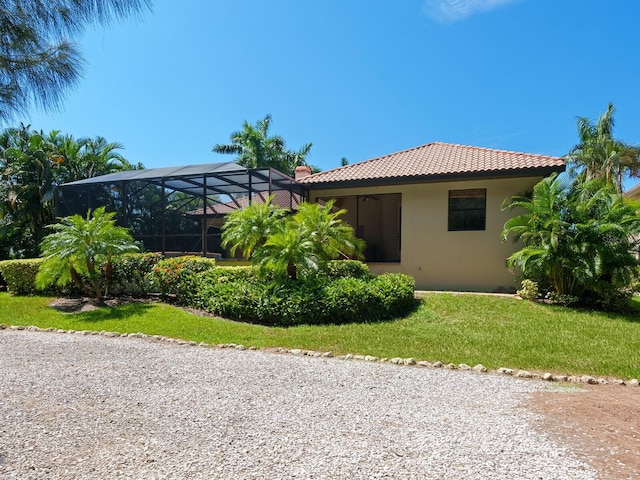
443, 260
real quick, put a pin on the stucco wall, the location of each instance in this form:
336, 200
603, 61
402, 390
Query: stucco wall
443, 260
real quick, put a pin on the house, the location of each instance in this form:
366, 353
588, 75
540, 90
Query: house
434, 211
633, 193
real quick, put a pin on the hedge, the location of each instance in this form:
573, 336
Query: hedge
132, 273
20, 275
175, 276
319, 300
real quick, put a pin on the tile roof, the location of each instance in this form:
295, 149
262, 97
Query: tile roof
436, 160
281, 198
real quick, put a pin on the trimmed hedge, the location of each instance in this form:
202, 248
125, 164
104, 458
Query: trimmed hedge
346, 269
176, 276
20, 275
132, 273
320, 300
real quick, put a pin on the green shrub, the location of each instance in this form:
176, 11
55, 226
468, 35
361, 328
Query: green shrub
528, 290
132, 273
20, 275
346, 268
230, 274
177, 276
316, 300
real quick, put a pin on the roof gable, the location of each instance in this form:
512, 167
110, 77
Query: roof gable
437, 161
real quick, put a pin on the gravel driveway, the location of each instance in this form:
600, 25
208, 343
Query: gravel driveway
85, 407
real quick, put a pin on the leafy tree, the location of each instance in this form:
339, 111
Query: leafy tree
38, 61
600, 156
578, 239
83, 248
255, 148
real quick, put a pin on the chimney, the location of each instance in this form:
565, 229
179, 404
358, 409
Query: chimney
302, 171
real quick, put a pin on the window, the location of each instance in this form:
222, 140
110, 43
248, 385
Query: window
467, 209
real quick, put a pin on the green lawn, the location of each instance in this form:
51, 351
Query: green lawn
494, 331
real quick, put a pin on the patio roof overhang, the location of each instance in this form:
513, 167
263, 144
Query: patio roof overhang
223, 178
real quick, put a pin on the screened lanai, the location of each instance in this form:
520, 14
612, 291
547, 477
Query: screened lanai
179, 210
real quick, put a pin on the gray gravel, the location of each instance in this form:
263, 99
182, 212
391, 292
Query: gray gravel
87, 407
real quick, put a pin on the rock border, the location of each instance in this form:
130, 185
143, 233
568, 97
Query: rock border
522, 374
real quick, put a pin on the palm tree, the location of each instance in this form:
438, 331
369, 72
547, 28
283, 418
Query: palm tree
83, 247
247, 229
87, 157
578, 239
27, 184
307, 239
255, 148
288, 248
334, 239
602, 156
38, 62
32, 166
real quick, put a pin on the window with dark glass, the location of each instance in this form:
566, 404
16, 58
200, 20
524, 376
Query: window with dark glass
467, 209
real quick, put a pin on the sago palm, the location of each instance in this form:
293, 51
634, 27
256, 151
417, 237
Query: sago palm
83, 248
248, 229
288, 248
334, 238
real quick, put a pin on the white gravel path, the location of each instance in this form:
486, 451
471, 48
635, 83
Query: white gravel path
88, 407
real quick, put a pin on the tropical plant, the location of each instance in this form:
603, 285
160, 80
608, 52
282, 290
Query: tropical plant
82, 248
255, 148
334, 238
27, 187
307, 239
88, 157
288, 248
38, 62
247, 229
32, 167
579, 239
600, 156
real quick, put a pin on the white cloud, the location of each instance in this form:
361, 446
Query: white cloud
450, 11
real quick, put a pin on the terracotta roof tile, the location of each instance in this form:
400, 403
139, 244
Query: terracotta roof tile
281, 198
434, 160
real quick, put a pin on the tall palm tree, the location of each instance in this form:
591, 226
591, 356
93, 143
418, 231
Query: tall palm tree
83, 248
255, 148
38, 61
599, 155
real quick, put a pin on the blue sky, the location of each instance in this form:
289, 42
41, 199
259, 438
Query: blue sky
357, 78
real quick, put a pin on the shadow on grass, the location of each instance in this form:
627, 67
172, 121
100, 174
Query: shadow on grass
120, 312
629, 314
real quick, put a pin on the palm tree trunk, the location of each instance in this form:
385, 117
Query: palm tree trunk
77, 279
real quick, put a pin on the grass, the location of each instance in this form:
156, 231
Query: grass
472, 329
